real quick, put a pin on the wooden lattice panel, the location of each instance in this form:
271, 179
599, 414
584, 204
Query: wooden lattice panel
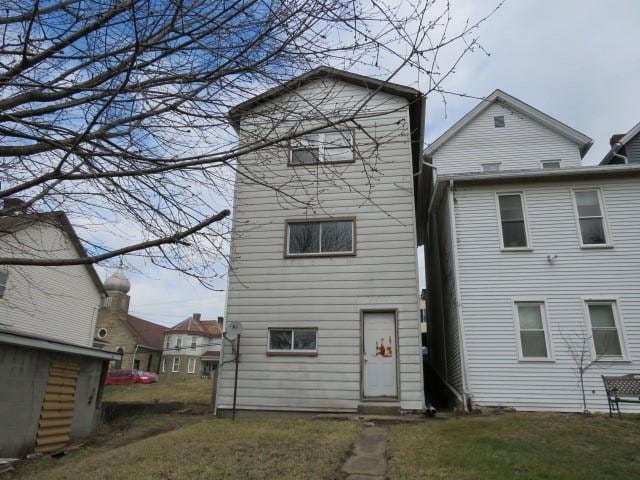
54, 428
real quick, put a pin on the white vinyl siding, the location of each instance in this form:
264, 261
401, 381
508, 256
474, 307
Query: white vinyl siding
269, 290
606, 330
490, 280
591, 218
522, 144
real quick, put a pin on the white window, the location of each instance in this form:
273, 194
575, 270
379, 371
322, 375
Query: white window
191, 366
163, 367
293, 340
591, 219
513, 221
4, 277
167, 342
498, 121
533, 332
194, 341
491, 167
605, 327
178, 343
175, 367
320, 238
327, 147
550, 164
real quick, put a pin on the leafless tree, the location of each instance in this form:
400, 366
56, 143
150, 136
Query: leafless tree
579, 347
116, 111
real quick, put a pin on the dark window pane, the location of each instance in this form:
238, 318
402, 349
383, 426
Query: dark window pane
602, 316
588, 203
304, 156
304, 339
498, 121
514, 234
337, 237
533, 344
592, 231
304, 238
607, 342
279, 339
511, 207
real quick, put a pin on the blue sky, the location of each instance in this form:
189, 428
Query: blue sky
576, 60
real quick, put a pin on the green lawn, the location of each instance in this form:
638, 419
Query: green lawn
168, 389
205, 448
518, 446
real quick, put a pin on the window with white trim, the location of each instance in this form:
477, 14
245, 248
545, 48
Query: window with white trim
591, 219
605, 329
191, 365
498, 121
175, 366
513, 223
323, 147
178, 343
4, 277
320, 238
550, 164
194, 342
293, 340
167, 342
533, 331
491, 167
163, 366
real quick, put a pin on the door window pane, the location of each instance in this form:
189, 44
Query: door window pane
514, 230
280, 339
304, 237
304, 339
337, 237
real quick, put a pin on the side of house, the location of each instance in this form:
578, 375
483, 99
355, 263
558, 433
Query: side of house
625, 148
324, 274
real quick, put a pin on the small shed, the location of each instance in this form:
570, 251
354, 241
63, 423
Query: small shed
50, 392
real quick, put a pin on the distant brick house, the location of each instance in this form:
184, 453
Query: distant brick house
192, 347
139, 341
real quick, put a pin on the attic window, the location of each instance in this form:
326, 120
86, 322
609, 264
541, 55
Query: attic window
491, 167
550, 164
498, 121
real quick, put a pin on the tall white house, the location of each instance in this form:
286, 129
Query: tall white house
533, 261
323, 261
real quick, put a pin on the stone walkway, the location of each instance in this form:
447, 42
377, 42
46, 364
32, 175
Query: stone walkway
369, 458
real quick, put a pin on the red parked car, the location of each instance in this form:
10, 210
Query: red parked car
129, 375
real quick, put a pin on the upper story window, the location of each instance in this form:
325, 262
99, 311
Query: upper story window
178, 343
550, 164
4, 277
167, 342
498, 121
591, 218
533, 331
491, 167
334, 237
513, 223
605, 329
323, 147
194, 340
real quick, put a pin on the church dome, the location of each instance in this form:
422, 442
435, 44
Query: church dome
117, 282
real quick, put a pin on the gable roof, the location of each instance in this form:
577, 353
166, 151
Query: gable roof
14, 223
193, 326
415, 97
620, 143
498, 96
149, 334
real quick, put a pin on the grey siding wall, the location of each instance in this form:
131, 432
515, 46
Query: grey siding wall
491, 279
267, 290
522, 144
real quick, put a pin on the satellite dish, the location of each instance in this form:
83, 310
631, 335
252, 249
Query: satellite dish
233, 330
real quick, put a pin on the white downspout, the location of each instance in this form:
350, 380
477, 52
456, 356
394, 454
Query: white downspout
456, 267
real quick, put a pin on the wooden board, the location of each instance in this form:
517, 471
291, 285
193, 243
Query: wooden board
54, 428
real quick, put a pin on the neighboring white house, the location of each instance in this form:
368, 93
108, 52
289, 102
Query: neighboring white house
323, 268
192, 347
57, 302
532, 260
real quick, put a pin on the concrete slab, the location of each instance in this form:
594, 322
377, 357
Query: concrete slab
369, 458
357, 476
366, 465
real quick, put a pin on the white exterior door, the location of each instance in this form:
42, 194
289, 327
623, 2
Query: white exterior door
379, 355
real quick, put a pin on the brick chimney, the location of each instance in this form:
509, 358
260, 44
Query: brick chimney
196, 317
615, 138
221, 322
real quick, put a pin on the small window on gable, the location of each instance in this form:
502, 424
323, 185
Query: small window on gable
4, 276
550, 164
498, 121
325, 147
491, 167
